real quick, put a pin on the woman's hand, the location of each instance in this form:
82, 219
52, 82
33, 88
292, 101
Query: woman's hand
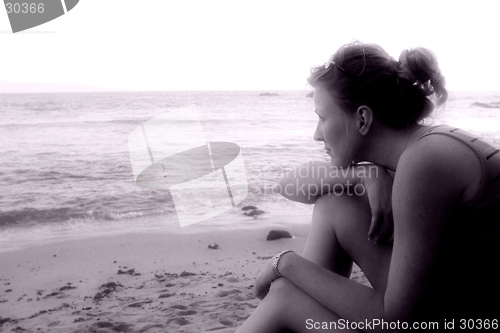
378, 187
264, 280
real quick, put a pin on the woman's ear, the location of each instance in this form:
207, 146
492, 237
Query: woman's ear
364, 119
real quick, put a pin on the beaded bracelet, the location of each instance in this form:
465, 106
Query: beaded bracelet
276, 262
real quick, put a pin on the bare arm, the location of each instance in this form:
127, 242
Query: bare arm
307, 182
432, 179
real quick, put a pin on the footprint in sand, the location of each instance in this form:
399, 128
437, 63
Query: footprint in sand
238, 298
138, 304
151, 328
179, 321
233, 279
226, 322
117, 327
187, 312
228, 292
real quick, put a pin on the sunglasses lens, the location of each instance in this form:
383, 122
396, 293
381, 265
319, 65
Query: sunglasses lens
329, 62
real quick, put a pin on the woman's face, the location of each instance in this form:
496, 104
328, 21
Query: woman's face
334, 129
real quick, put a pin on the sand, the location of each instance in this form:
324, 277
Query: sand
152, 281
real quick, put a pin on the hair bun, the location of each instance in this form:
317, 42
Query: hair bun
419, 66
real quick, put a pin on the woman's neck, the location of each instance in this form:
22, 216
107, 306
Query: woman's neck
388, 145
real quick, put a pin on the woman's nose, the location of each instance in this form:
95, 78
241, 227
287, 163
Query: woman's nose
317, 134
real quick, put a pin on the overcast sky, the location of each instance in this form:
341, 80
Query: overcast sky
240, 45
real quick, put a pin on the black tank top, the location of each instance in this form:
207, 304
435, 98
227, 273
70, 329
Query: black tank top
467, 280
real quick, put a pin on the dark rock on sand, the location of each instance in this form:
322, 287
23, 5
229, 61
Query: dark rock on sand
278, 234
130, 271
268, 94
253, 212
213, 246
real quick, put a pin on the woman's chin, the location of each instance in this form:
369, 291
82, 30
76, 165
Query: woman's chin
338, 162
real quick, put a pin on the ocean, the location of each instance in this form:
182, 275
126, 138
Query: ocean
65, 169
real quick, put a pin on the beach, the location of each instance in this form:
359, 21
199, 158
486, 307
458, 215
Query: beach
151, 281
84, 249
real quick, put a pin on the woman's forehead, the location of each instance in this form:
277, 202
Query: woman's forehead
323, 99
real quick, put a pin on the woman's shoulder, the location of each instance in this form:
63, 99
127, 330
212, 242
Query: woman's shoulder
449, 160
444, 146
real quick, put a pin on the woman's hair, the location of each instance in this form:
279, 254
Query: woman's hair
400, 93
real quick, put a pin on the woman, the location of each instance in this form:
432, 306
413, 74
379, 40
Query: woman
427, 265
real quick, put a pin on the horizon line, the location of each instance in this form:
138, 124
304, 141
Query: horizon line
193, 90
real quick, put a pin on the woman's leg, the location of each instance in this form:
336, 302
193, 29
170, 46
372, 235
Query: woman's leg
287, 308
338, 235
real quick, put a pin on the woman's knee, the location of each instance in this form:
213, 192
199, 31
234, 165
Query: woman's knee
280, 288
285, 294
296, 307
342, 211
347, 217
